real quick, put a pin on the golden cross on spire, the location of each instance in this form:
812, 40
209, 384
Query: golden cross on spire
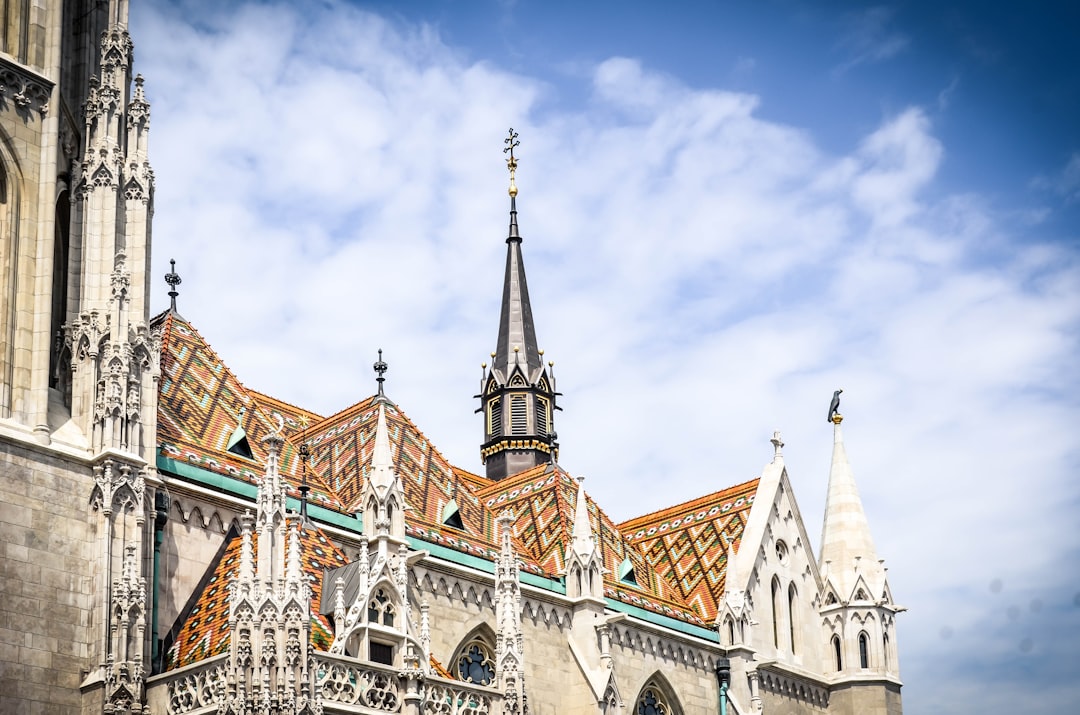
511, 141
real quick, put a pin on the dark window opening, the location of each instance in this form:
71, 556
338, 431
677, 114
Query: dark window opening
381, 653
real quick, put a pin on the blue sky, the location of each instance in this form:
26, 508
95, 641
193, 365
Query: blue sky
729, 211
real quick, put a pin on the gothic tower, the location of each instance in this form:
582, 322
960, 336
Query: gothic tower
857, 610
518, 390
78, 362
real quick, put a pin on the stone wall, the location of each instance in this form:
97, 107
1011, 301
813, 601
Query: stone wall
47, 547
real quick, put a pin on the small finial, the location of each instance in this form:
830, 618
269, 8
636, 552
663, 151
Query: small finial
173, 279
380, 368
511, 141
778, 444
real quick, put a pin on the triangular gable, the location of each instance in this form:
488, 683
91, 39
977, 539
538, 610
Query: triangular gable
204, 632
200, 406
685, 543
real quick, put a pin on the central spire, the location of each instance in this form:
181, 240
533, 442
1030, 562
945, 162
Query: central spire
518, 391
517, 333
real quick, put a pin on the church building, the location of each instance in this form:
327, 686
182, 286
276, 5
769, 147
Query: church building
174, 542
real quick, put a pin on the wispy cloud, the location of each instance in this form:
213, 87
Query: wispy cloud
869, 37
1065, 183
332, 182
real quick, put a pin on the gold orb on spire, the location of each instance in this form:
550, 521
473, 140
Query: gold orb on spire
511, 162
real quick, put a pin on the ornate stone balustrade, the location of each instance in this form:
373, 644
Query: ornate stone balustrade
193, 689
452, 697
344, 684
344, 680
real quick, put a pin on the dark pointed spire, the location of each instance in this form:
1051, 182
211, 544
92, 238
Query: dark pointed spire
518, 392
173, 279
517, 334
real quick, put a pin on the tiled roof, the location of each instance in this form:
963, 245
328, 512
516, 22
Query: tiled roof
205, 629
543, 500
200, 405
684, 543
677, 554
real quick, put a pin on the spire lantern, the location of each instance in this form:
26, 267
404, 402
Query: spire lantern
517, 392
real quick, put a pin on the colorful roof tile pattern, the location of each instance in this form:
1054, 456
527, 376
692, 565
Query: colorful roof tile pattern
543, 500
200, 405
205, 629
677, 555
685, 543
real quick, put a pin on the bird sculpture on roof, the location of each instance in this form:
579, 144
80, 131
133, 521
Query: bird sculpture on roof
834, 406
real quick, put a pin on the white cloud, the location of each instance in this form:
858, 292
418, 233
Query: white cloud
332, 182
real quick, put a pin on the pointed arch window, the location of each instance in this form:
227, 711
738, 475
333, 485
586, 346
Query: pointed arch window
885, 648
495, 426
380, 609
653, 701
792, 597
475, 663
730, 630
776, 612
839, 660
864, 650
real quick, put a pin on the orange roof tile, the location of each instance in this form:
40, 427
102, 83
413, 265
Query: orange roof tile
205, 629
684, 543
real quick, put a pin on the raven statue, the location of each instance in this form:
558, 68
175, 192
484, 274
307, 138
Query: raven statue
834, 406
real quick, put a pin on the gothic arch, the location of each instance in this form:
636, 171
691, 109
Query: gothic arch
793, 631
656, 697
473, 659
864, 650
775, 601
10, 258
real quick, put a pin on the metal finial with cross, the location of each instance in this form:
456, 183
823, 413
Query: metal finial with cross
173, 279
380, 368
511, 141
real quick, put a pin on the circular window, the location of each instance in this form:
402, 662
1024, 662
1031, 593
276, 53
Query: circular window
781, 552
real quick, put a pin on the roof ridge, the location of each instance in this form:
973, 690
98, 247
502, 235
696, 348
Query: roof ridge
286, 403
644, 518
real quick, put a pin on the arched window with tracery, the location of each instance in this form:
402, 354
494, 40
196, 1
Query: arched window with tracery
653, 701
475, 663
380, 609
864, 650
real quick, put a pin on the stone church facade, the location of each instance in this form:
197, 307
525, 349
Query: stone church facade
174, 542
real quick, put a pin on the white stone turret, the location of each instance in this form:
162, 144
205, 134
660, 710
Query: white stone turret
383, 496
510, 644
372, 612
269, 667
107, 368
857, 609
584, 562
848, 558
